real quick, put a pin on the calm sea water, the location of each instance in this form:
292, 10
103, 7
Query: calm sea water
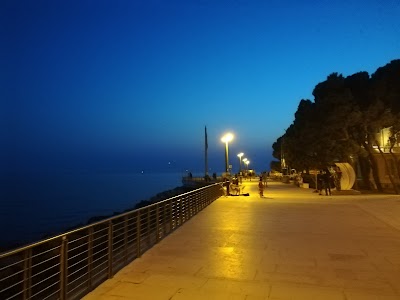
35, 205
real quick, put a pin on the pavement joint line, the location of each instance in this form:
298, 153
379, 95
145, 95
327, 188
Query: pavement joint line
378, 219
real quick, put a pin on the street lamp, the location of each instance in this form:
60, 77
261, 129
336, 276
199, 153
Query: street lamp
244, 161
226, 139
240, 161
247, 163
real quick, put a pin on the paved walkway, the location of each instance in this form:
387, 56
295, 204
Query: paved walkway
292, 244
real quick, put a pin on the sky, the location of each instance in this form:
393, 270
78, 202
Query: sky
131, 85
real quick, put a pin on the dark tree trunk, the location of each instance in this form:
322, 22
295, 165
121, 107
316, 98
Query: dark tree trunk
396, 162
353, 163
365, 168
374, 166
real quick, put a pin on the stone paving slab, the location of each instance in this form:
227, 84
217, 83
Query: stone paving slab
291, 244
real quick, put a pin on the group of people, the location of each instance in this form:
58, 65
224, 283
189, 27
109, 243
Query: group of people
233, 186
324, 178
329, 178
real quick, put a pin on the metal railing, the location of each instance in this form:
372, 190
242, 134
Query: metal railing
70, 265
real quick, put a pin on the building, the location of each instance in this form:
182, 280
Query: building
388, 161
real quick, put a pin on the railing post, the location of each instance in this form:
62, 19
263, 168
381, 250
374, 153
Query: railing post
138, 229
177, 212
194, 205
171, 216
110, 249
148, 227
198, 203
188, 208
27, 273
191, 208
126, 220
90, 258
157, 222
63, 267
195, 210
185, 208
180, 211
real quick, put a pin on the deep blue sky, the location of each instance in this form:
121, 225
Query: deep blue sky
130, 85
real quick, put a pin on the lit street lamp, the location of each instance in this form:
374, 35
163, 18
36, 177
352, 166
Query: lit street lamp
244, 161
226, 139
240, 161
247, 163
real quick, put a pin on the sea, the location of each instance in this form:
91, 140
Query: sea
35, 206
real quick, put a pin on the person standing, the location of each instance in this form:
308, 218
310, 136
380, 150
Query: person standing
261, 188
226, 185
320, 182
327, 182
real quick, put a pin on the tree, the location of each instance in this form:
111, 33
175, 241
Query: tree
336, 114
359, 86
342, 122
275, 166
276, 148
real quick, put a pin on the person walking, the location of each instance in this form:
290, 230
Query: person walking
261, 188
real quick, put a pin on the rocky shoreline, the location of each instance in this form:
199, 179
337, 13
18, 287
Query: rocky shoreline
157, 198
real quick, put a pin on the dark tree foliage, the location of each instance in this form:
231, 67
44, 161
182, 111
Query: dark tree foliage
301, 138
275, 165
276, 147
342, 121
358, 84
385, 84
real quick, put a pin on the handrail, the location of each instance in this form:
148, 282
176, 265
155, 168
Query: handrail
7, 253
71, 264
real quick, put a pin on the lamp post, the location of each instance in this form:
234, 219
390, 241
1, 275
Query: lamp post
240, 161
244, 161
247, 163
226, 139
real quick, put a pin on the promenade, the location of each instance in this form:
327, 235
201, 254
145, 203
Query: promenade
291, 244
